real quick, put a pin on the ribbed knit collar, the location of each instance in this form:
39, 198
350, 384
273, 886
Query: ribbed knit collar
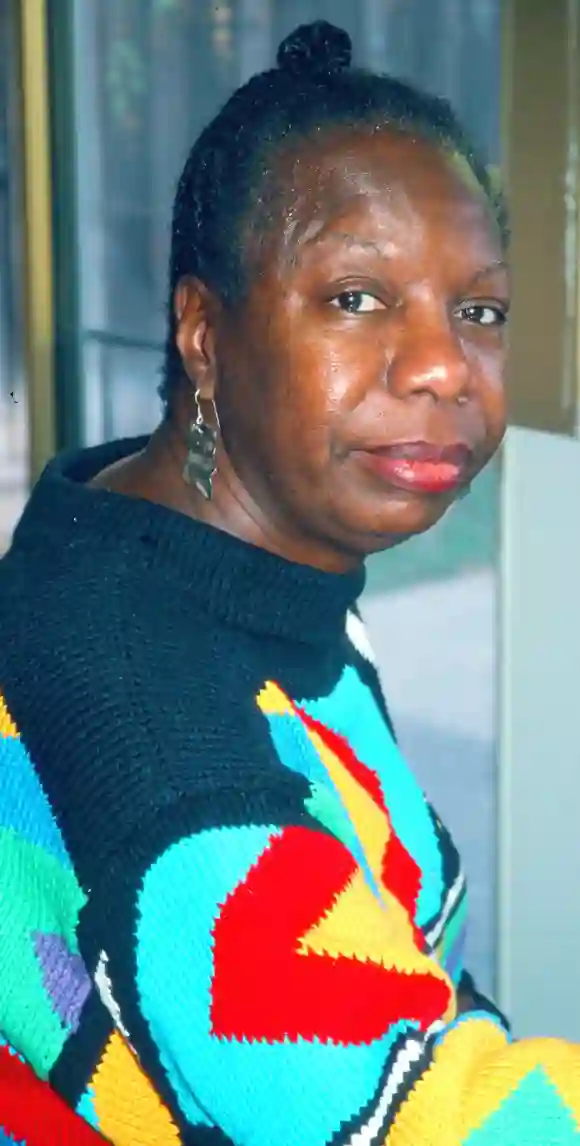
240, 583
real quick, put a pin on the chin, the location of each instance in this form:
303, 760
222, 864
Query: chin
408, 519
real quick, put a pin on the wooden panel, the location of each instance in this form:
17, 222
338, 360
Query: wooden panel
540, 141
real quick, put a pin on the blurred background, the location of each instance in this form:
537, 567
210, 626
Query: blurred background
99, 104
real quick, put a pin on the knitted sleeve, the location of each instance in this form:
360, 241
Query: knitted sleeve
274, 999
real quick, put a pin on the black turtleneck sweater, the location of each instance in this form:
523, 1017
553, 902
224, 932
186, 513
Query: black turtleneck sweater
230, 912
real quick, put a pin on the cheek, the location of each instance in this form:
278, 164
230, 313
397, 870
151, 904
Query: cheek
281, 402
306, 396
489, 365
331, 371
314, 383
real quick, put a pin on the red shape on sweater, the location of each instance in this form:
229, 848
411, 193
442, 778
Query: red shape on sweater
31, 1112
264, 989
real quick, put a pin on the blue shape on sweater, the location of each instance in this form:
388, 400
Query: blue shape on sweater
8, 1140
24, 808
533, 1114
86, 1108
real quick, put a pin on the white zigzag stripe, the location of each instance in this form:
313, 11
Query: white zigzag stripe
410, 1053
432, 937
357, 635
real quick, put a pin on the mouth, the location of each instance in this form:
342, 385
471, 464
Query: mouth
420, 467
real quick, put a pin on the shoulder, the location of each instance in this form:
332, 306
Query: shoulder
93, 614
124, 701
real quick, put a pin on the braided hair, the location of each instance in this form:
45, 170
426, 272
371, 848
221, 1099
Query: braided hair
224, 185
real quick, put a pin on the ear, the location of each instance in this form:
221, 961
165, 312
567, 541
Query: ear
195, 310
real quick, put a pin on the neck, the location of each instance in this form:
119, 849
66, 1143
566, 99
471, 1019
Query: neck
158, 475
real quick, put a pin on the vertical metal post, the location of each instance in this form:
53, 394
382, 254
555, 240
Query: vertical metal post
38, 253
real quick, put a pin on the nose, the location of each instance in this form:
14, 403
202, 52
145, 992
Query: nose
430, 359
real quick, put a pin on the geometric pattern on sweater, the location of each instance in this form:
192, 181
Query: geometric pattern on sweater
379, 879
31, 1114
310, 941
533, 1089
321, 956
483, 1090
121, 1103
44, 981
335, 959
364, 792
350, 711
281, 1069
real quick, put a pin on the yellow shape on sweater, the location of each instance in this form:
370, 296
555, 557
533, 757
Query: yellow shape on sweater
8, 728
273, 702
128, 1108
475, 1070
359, 926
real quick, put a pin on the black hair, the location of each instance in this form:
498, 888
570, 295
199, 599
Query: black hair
223, 184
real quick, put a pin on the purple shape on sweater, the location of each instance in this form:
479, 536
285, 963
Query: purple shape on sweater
64, 976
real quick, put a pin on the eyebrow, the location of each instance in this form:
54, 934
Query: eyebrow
359, 243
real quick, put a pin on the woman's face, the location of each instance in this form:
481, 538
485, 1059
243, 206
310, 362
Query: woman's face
360, 384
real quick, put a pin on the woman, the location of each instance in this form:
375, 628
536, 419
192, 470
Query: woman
232, 915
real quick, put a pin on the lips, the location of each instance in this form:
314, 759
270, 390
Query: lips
420, 467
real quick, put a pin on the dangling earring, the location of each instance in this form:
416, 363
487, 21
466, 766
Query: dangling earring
200, 464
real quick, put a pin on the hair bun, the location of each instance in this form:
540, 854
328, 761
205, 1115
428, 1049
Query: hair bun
315, 49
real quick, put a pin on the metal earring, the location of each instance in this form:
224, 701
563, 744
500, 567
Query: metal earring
200, 464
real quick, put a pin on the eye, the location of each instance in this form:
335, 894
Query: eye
483, 314
356, 302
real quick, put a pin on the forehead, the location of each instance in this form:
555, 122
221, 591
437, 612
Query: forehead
390, 186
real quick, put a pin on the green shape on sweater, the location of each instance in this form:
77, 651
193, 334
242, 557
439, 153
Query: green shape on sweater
533, 1115
37, 894
325, 806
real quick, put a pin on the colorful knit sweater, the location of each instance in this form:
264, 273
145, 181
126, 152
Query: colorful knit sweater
227, 911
